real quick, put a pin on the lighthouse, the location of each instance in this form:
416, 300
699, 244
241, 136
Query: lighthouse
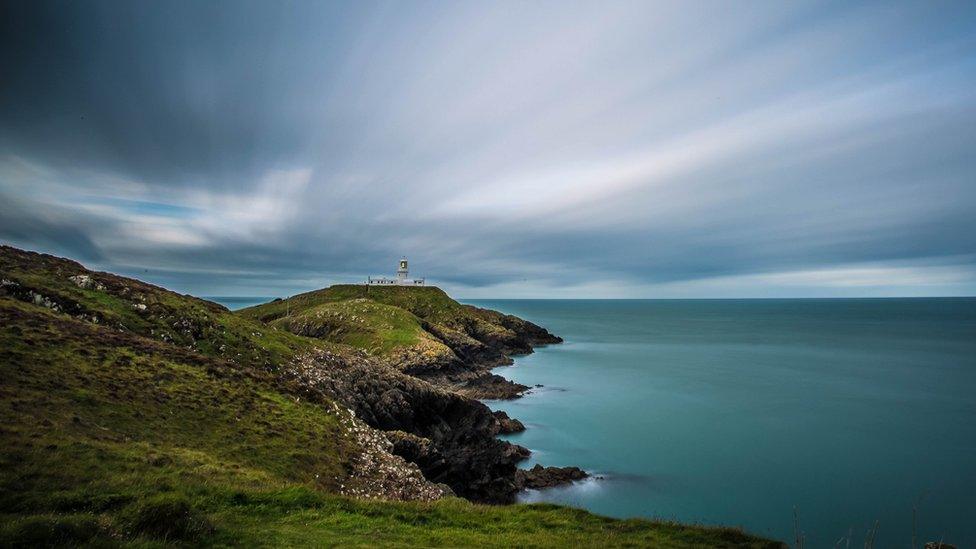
402, 277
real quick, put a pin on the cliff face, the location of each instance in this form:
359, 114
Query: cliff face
425, 358
449, 436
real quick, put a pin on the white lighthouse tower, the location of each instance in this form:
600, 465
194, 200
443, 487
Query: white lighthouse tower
402, 277
402, 271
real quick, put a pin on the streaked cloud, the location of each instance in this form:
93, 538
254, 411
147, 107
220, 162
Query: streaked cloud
624, 149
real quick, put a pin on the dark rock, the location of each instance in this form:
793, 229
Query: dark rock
939, 545
448, 434
463, 452
473, 354
409, 446
507, 425
490, 386
544, 477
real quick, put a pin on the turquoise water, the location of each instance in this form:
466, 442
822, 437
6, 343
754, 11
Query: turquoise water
735, 411
234, 303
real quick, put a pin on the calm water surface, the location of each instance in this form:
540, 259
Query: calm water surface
234, 303
735, 411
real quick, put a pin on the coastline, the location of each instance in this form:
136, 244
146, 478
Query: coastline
538, 477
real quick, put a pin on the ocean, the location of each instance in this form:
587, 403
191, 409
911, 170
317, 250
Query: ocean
235, 303
851, 412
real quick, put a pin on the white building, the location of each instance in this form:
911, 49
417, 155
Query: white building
402, 278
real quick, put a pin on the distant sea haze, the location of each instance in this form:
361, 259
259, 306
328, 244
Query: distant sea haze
238, 302
736, 411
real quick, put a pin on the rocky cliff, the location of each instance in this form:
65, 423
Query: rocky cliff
425, 359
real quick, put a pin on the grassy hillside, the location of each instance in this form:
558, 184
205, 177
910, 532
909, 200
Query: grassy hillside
170, 424
426, 302
374, 327
139, 308
417, 329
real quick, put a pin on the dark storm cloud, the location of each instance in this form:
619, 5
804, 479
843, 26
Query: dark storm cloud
181, 93
624, 149
50, 230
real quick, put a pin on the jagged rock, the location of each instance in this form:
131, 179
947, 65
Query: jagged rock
939, 545
545, 477
378, 473
490, 386
507, 425
463, 451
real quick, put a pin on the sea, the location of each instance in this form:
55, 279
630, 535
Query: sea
827, 418
235, 303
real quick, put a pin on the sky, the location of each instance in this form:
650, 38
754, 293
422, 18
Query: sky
508, 149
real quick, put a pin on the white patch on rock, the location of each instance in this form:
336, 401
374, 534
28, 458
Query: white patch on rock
86, 282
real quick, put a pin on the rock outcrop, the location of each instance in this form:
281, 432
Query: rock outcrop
546, 477
450, 437
507, 425
425, 361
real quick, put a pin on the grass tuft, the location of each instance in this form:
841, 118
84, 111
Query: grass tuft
167, 517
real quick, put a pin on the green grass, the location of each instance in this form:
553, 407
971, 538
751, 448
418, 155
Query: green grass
457, 523
383, 320
152, 311
65, 383
374, 327
425, 302
390, 322
100, 422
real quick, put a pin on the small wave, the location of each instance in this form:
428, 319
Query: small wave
581, 487
539, 390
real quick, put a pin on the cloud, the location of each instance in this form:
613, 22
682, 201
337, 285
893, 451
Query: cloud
544, 149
